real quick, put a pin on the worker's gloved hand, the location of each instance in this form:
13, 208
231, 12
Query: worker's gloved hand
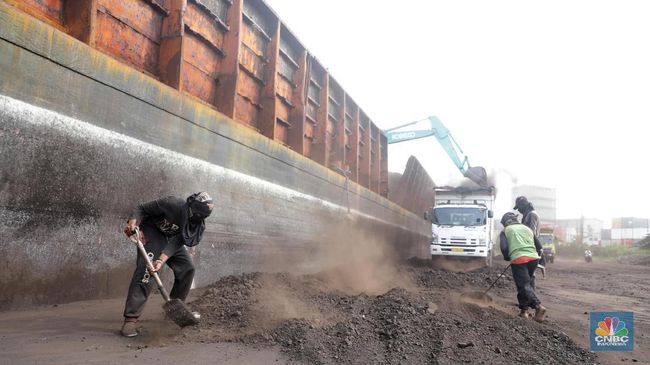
131, 225
128, 231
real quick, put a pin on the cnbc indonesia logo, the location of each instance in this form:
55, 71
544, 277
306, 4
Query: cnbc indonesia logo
612, 331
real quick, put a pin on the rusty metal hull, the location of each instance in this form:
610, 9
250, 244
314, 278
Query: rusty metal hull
84, 138
237, 57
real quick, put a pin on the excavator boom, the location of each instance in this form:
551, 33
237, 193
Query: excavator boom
434, 127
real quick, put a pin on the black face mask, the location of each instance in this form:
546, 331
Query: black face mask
198, 212
524, 208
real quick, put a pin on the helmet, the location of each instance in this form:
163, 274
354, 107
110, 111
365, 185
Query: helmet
509, 218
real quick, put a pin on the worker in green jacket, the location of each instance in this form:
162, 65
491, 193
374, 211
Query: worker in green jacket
520, 246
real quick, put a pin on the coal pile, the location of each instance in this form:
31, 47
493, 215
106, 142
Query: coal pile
314, 324
482, 278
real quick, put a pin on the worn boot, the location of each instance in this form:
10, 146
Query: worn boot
523, 313
540, 311
130, 328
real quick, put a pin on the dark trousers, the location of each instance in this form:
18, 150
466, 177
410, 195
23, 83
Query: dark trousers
523, 275
180, 262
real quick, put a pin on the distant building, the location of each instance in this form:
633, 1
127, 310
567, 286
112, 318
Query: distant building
568, 230
565, 234
628, 230
543, 200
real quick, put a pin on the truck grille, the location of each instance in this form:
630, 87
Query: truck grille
458, 241
472, 250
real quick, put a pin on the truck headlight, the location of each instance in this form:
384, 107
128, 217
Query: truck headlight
481, 241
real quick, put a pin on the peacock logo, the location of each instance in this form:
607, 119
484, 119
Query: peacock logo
612, 331
611, 326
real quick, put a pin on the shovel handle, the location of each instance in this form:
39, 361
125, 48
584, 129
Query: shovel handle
136, 239
503, 272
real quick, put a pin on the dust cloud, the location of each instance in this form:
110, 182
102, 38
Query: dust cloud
357, 263
347, 261
504, 181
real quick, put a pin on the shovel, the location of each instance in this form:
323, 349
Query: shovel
504, 271
175, 309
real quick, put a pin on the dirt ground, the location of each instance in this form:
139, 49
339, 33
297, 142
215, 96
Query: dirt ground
414, 314
573, 288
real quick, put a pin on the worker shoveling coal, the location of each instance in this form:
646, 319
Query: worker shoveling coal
521, 247
166, 226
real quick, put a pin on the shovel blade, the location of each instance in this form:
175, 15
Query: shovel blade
178, 312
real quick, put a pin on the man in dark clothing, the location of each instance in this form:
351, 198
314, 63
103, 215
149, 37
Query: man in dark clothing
167, 225
521, 247
530, 219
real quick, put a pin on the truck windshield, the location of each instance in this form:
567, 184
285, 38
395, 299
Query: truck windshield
459, 216
546, 239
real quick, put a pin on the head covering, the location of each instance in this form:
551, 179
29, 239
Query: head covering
521, 203
202, 197
194, 215
509, 218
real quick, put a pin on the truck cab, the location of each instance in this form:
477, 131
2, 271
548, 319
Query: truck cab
462, 223
547, 238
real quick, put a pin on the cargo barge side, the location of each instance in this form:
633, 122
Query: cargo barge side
107, 104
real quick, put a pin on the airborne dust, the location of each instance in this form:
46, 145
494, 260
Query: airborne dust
366, 305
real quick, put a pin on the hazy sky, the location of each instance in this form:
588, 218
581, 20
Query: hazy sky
557, 92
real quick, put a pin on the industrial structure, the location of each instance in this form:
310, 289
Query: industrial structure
628, 230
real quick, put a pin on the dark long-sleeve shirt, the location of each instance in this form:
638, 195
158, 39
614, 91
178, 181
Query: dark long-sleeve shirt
163, 216
531, 220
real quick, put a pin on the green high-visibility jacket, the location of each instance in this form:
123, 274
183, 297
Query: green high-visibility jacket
519, 241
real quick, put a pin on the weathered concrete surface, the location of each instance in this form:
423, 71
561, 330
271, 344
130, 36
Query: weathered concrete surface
68, 187
84, 139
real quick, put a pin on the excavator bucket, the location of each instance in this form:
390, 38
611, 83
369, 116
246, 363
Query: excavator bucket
478, 175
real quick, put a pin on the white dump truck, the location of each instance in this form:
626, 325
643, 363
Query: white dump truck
462, 223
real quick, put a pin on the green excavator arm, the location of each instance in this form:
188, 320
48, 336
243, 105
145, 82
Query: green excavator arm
434, 127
